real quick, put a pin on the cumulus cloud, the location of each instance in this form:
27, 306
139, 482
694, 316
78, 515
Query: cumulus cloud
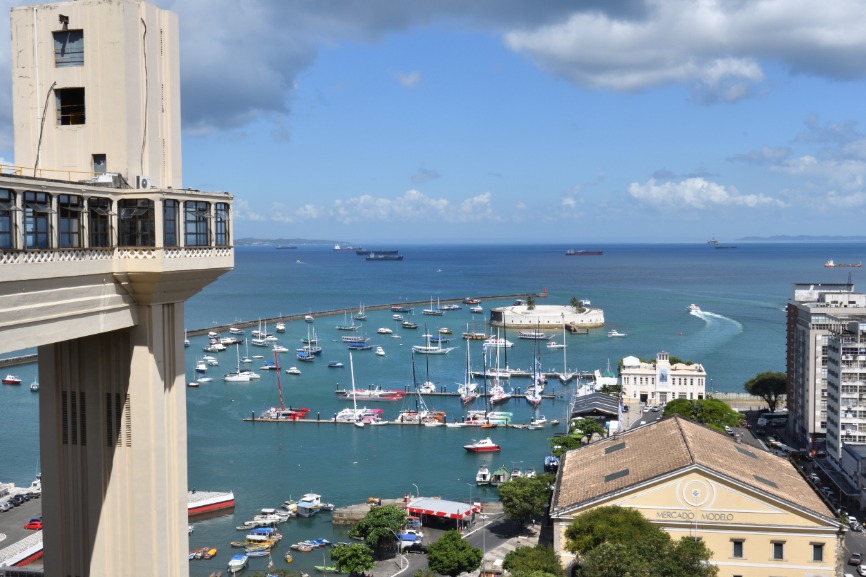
763, 156
242, 211
697, 193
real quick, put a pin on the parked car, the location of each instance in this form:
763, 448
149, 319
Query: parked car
729, 430
5, 506
16, 500
855, 559
34, 524
814, 478
861, 570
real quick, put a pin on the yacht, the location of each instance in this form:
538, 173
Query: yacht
615, 333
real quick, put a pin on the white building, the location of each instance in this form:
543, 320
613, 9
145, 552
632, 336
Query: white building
660, 382
545, 317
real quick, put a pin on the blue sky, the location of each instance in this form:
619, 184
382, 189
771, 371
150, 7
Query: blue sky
515, 121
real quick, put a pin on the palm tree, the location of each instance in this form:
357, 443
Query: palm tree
530, 302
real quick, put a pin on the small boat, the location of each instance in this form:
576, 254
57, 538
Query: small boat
309, 319
236, 331
555, 345
397, 317
305, 356
532, 335
615, 333
335, 365
280, 327
482, 477
539, 421
476, 309
693, 308
204, 379
409, 325
471, 301
551, 463
498, 342
445, 331
328, 568
293, 371
193, 384
483, 446
209, 553
280, 349
289, 557
380, 351
237, 563
200, 367
572, 252
384, 331
34, 386
831, 264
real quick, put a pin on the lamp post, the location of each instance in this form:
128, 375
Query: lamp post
483, 541
417, 492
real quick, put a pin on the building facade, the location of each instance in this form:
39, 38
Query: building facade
753, 510
814, 313
661, 382
100, 247
96, 92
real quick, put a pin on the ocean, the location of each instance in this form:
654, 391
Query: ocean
644, 290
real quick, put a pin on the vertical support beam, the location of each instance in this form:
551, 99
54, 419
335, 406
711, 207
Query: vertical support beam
113, 444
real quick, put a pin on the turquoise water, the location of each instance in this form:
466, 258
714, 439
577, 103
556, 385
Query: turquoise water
643, 289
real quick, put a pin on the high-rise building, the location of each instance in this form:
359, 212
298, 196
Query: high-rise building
815, 311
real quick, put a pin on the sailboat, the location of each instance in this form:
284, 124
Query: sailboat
360, 315
564, 376
237, 376
421, 414
246, 358
358, 421
347, 326
467, 389
431, 311
429, 349
533, 392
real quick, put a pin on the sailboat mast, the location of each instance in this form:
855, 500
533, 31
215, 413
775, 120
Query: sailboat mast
279, 385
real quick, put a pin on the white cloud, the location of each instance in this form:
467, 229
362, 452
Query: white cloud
697, 193
242, 211
409, 79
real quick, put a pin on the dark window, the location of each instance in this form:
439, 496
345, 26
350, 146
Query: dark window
738, 549
136, 222
70, 106
817, 551
99, 215
37, 219
169, 218
69, 209
196, 223
99, 164
68, 48
7, 218
778, 551
221, 225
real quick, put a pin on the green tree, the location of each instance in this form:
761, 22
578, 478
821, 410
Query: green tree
710, 412
425, 572
451, 555
616, 542
575, 304
354, 559
378, 527
769, 386
564, 443
585, 427
529, 560
524, 498
530, 302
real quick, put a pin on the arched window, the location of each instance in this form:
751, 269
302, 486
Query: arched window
137, 226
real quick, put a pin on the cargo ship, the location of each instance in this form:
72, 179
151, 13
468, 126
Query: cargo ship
572, 252
384, 256
831, 264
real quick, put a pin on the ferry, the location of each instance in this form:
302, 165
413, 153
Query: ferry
533, 335
831, 264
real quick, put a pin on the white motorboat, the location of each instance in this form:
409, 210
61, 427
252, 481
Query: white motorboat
532, 335
555, 345
280, 327
384, 331
477, 309
498, 342
694, 309
200, 367
380, 351
293, 371
482, 477
615, 333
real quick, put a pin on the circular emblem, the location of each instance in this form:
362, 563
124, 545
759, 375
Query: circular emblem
696, 493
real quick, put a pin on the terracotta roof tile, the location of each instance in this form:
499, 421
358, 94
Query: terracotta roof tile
671, 444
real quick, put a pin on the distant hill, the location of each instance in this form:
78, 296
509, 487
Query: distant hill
284, 241
804, 238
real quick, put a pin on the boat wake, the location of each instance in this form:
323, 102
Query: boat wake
717, 330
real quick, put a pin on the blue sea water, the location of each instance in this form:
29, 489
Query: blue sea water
643, 289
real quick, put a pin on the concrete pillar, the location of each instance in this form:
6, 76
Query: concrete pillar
113, 441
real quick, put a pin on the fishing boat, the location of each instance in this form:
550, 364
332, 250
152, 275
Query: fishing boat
615, 333
482, 446
14, 380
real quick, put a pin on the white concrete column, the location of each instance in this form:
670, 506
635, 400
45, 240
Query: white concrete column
113, 444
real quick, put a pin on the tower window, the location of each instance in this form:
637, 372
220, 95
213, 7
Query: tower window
70, 106
68, 48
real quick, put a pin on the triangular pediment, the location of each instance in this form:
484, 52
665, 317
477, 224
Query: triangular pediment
696, 496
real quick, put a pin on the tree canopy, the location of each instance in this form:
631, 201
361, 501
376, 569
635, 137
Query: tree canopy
615, 541
378, 527
525, 498
769, 386
563, 443
710, 412
526, 561
354, 559
585, 427
451, 555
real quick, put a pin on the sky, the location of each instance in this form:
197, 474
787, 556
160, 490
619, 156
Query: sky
577, 123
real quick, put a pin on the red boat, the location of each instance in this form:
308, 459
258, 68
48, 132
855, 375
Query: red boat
482, 446
11, 380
